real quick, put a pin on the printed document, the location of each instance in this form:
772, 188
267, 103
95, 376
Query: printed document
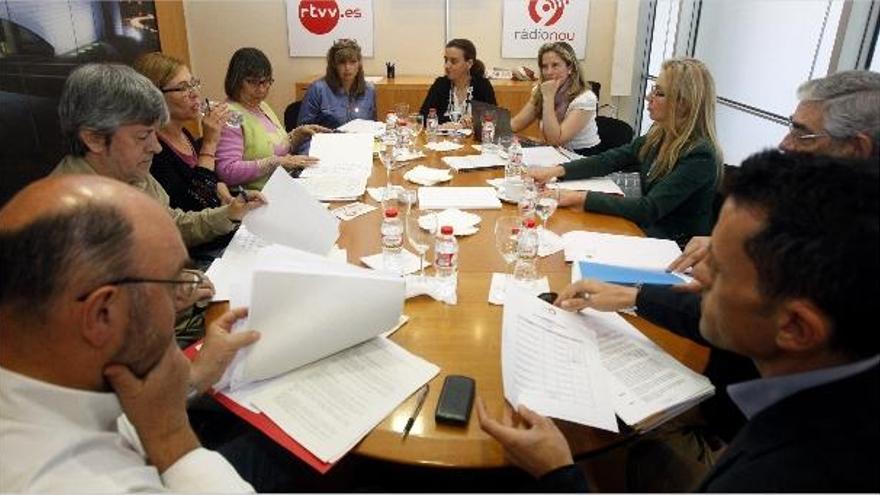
464, 198
550, 362
329, 406
543, 156
341, 152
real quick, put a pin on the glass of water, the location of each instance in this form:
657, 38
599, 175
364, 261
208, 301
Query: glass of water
548, 200
506, 232
233, 118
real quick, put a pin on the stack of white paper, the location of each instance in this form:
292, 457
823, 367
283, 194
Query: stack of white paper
345, 164
469, 162
601, 184
334, 187
648, 385
465, 198
585, 367
543, 156
622, 250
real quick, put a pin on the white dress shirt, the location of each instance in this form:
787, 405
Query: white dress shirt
57, 439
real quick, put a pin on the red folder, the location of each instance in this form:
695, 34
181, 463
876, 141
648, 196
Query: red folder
262, 422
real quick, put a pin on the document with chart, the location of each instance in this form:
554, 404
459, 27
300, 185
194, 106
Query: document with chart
550, 363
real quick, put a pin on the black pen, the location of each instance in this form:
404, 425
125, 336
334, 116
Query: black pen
240, 192
415, 414
207, 105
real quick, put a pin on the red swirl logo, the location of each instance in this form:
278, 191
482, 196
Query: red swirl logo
318, 16
546, 12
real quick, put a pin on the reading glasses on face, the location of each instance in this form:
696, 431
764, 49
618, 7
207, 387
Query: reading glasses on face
803, 134
186, 283
191, 86
253, 81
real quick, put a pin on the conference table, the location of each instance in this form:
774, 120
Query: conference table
465, 338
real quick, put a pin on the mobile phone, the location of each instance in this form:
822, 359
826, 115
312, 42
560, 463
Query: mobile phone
550, 297
456, 400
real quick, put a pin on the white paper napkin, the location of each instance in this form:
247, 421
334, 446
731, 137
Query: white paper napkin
378, 193
427, 176
433, 287
498, 289
402, 155
462, 222
409, 262
443, 146
352, 210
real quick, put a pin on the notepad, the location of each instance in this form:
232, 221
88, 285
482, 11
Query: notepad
625, 275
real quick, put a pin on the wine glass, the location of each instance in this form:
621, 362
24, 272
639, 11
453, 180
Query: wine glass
455, 118
548, 200
386, 156
233, 118
506, 232
420, 239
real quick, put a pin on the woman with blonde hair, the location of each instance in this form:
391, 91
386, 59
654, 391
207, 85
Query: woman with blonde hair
562, 102
343, 94
679, 159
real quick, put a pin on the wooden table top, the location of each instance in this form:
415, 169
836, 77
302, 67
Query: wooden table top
465, 339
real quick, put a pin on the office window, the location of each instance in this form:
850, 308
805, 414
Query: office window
665, 26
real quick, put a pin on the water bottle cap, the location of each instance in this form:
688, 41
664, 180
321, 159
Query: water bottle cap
391, 212
446, 230
488, 117
530, 223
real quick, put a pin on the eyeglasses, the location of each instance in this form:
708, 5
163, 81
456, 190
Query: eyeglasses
185, 285
656, 91
253, 81
797, 131
192, 86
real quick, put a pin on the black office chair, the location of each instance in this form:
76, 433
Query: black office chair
291, 113
613, 133
729, 172
596, 87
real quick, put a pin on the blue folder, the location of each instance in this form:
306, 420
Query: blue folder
626, 275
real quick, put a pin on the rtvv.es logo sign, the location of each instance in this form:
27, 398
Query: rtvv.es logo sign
322, 16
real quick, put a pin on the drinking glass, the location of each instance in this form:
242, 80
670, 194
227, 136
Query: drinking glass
233, 118
401, 109
420, 239
455, 118
386, 156
506, 232
416, 124
548, 200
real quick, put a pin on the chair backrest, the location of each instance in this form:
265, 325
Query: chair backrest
291, 113
595, 87
613, 132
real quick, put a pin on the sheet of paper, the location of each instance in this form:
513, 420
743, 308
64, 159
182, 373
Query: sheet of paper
550, 362
334, 187
602, 185
341, 154
238, 259
621, 250
292, 217
543, 156
464, 198
643, 378
500, 282
549, 243
306, 309
331, 405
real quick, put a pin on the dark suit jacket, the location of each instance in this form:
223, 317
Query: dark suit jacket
438, 95
823, 439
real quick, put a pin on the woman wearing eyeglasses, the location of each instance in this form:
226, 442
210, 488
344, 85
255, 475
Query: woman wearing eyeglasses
343, 94
250, 153
562, 102
679, 159
185, 166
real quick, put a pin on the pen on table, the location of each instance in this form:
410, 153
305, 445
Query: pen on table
415, 413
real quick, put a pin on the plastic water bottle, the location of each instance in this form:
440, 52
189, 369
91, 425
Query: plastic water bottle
392, 241
446, 255
513, 186
390, 123
431, 125
526, 271
488, 134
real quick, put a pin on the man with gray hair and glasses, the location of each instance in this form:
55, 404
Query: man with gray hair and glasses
109, 117
837, 116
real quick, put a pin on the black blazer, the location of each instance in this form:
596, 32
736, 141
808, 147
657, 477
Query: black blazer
679, 312
823, 439
438, 95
